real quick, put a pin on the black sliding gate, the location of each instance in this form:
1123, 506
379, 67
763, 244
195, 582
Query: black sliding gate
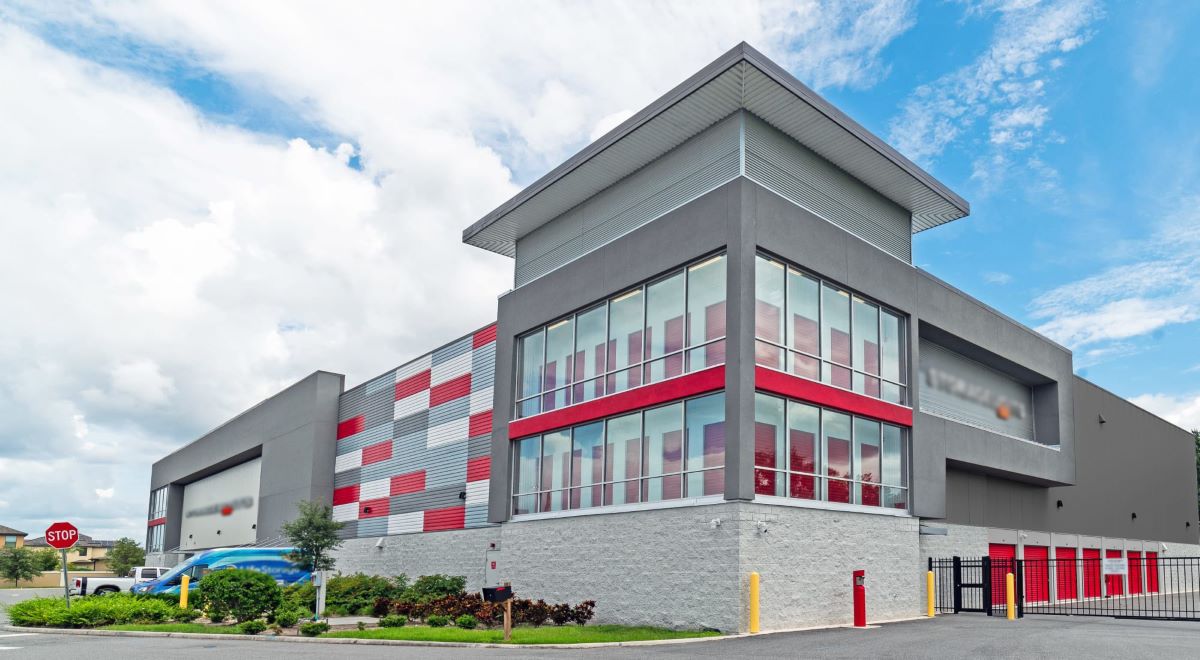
1165, 588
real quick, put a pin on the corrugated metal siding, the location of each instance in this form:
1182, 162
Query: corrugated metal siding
786, 167
691, 169
417, 451
977, 409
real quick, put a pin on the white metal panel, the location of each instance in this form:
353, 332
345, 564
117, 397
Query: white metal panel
444, 434
222, 509
452, 368
348, 461
410, 404
415, 367
477, 492
960, 389
373, 490
481, 400
406, 523
345, 512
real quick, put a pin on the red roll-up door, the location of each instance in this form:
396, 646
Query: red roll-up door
1135, 572
1065, 574
1037, 573
1152, 572
1002, 555
1114, 585
1091, 573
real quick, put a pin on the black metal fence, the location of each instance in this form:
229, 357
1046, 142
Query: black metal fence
1138, 587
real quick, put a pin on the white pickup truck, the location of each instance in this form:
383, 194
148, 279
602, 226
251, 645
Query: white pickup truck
86, 585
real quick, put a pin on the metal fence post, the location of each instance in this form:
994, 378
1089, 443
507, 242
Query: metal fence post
986, 564
957, 584
1020, 577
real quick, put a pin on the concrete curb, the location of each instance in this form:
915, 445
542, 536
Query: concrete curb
350, 640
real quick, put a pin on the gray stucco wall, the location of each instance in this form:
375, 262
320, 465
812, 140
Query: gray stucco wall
293, 431
1132, 463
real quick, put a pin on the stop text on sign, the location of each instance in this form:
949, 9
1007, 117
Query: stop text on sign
61, 535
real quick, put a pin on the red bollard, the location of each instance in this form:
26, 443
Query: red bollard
860, 599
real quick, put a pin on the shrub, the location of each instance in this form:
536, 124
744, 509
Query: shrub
393, 621
286, 618
296, 596
276, 630
466, 621
437, 620
530, 612
252, 627
186, 616
431, 587
313, 628
583, 612
561, 614
92, 611
244, 594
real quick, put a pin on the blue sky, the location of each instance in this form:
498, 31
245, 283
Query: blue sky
221, 197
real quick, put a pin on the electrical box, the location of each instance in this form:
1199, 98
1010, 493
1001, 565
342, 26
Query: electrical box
494, 573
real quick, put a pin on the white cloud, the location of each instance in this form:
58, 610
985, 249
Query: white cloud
1182, 410
105, 493
995, 277
1004, 87
171, 271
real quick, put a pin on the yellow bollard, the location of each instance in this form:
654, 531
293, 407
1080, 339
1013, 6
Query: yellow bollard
183, 591
1010, 586
754, 627
929, 593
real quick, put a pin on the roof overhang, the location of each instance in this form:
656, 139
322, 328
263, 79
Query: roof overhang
740, 79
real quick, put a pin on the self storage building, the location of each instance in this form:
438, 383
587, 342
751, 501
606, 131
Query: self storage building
717, 357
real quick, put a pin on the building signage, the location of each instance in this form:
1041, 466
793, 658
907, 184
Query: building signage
224, 508
1115, 566
221, 510
958, 388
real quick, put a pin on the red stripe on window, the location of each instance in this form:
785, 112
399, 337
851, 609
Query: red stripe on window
484, 336
373, 508
350, 426
413, 384
156, 522
481, 424
454, 517
479, 469
450, 390
413, 482
803, 389
345, 495
377, 452
708, 380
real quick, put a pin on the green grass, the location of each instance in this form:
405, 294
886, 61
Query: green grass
175, 628
524, 635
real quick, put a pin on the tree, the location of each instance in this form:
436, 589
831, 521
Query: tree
314, 533
125, 554
18, 564
46, 559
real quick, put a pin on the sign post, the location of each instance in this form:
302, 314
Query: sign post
62, 535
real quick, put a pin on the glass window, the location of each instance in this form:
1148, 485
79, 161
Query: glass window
835, 429
560, 349
768, 312
835, 335
895, 496
590, 337
530, 375
867, 461
866, 347
891, 356
664, 328
769, 449
623, 459
556, 466
526, 468
706, 313
804, 311
625, 341
663, 453
587, 465
705, 419
10, 541
804, 426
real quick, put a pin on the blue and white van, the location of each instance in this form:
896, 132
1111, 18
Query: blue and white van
272, 561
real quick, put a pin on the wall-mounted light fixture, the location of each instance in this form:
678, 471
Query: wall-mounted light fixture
379, 543
1101, 419
1059, 504
1133, 516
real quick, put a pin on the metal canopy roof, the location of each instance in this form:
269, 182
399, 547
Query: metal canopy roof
742, 78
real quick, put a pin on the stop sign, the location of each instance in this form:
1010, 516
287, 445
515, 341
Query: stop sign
61, 535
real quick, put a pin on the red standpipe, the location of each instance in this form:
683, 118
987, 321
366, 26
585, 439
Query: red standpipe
860, 599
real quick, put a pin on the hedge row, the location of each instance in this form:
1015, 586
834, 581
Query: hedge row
524, 610
96, 611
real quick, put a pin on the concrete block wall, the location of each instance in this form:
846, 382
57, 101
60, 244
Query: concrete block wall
457, 552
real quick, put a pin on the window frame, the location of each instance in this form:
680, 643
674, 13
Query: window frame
823, 363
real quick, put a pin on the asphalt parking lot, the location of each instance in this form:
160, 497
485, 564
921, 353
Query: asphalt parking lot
957, 636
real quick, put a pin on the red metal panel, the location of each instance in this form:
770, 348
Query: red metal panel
1152, 572
1066, 575
449, 518
412, 482
1135, 572
350, 426
377, 452
1001, 554
1091, 573
156, 522
373, 508
804, 389
1114, 585
345, 495
480, 424
413, 384
484, 337
699, 382
479, 469
1037, 573
450, 390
